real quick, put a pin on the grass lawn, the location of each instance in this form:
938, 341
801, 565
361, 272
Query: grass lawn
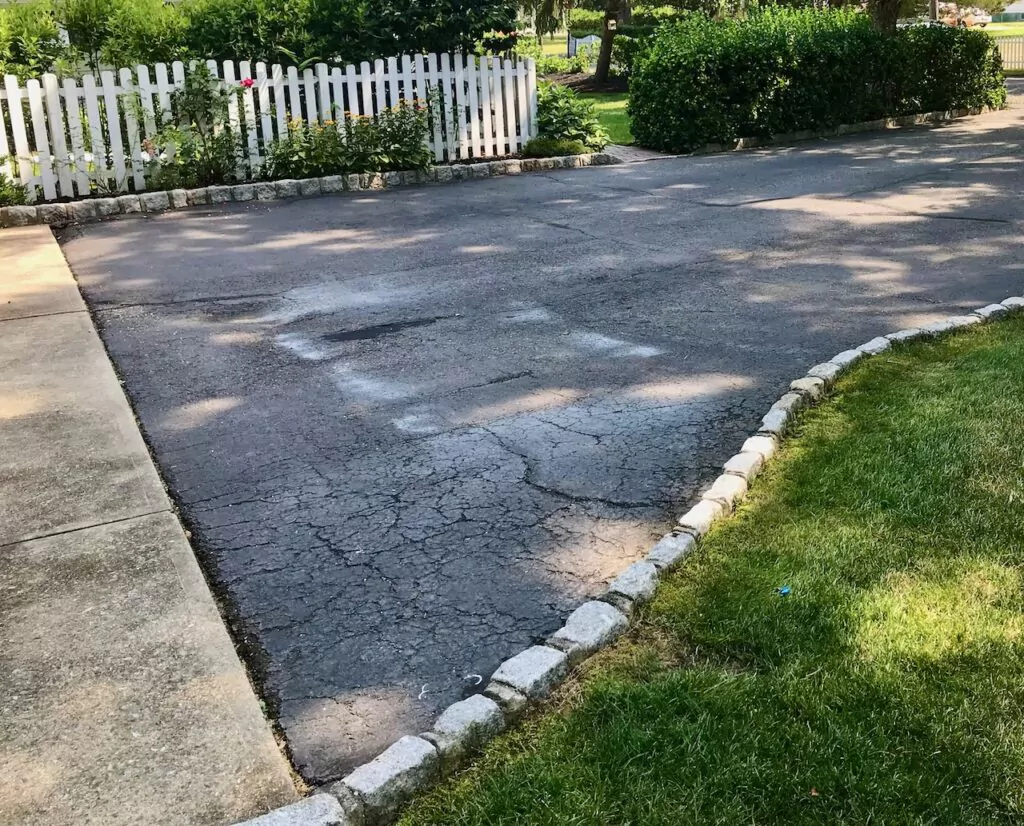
554, 44
887, 687
611, 110
1005, 29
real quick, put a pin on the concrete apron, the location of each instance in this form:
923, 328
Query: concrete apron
122, 698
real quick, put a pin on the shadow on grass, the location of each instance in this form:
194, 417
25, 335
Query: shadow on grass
885, 688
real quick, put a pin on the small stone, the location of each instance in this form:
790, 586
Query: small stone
266, 191
905, 335
699, 519
372, 180
51, 214
790, 403
747, 465
991, 311
318, 810
875, 346
811, 387
219, 194
309, 186
332, 183
353, 183
20, 216
638, 582
764, 445
287, 188
178, 198
529, 165
775, 422
464, 727
81, 211
129, 204
513, 167
728, 489
497, 167
670, 550
1015, 303
959, 321
444, 174
243, 192
427, 176
198, 197
827, 372
512, 702
589, 628
847, 358
390, 779
410, 177
480, 170
105, 207
533, 672
393, 179
154, 201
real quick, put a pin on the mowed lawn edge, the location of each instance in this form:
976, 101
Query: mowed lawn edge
845, 649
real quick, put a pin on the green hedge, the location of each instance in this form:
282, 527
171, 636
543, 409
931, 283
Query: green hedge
702, 81
128, 32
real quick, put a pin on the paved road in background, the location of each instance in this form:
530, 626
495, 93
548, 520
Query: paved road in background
412, 430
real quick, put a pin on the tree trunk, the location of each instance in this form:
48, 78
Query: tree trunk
627, 12
885, 13
604, 59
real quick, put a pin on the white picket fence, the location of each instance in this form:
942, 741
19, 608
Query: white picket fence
1012, 51
67, 139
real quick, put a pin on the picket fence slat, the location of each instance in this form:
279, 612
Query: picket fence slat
74, 137
73, 107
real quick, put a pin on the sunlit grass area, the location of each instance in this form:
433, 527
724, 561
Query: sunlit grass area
886, 685
1005, 29
611, 110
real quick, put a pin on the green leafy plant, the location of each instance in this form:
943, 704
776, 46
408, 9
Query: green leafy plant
784, 70
553, 147
393, 140
562, 115
196, 149
11, 193
30, 41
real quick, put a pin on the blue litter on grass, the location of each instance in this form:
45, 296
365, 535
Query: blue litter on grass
783, 591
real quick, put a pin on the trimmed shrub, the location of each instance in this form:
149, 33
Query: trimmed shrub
562, 115
551, 148
785, 70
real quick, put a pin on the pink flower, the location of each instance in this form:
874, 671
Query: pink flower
247, 83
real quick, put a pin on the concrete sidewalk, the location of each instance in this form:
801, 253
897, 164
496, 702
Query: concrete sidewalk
122, 698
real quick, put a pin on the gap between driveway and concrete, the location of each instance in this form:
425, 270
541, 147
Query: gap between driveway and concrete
122, 698
411, 431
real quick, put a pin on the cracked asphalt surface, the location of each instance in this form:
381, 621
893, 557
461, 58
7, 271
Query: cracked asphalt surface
412, 430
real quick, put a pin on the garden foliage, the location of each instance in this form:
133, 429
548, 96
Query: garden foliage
701, 81
562, 115
129, 32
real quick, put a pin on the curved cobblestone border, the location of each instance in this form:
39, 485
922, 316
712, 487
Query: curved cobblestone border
96, 209
373, 793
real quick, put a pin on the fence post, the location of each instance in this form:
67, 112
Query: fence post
531, 92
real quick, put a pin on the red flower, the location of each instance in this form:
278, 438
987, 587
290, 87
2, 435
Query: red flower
247, 83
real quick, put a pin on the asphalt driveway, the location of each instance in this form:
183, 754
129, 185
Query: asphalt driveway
412, 430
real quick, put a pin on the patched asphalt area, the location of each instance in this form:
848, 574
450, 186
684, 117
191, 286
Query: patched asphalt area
412, 430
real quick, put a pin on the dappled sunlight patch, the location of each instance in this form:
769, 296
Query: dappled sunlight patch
940, 609
200, 413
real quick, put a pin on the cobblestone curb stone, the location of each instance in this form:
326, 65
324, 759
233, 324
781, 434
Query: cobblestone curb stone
373, 794
79, 212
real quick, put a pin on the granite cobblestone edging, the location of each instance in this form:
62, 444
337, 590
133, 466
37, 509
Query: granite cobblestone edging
373, 794
94, 209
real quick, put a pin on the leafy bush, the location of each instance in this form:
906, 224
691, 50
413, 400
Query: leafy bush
643, 20
393, 140
196, 150
562, 115
11, 194
30, 41
625, 51
551, 148
783, 70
